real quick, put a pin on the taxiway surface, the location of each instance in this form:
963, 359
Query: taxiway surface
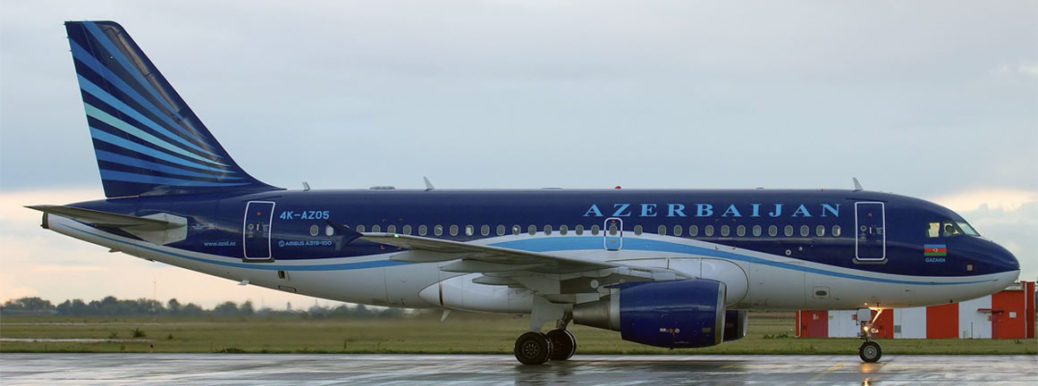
503, 369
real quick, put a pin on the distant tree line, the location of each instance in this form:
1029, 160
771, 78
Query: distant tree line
111, 306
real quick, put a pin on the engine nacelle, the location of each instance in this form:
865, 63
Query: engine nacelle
735, 322
674, 314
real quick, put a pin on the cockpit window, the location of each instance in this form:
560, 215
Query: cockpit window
933, 229
967, 229
951, 230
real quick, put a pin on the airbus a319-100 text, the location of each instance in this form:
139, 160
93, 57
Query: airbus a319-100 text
667, 268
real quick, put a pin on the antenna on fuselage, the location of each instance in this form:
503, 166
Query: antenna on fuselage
306, 186
857, 185
428, 185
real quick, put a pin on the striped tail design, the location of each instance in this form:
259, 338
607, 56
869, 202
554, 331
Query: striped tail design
146, 139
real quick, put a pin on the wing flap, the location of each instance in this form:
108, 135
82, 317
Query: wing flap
445, 250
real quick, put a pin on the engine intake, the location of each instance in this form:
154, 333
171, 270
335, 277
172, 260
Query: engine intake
675, 314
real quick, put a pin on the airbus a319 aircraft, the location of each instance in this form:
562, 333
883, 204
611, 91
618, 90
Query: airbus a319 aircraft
667, 268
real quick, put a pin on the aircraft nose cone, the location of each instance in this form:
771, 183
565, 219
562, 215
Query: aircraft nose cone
1005, 260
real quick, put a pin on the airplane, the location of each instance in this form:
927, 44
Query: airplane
666, 268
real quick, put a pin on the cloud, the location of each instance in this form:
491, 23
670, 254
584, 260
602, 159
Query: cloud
1007, 200
1025, 69
1006, 216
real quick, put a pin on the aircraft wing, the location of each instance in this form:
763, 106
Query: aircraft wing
160, 228
541, 272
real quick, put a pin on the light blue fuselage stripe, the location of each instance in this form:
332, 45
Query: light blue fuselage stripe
103, 136
261, 266
86, 58
111, 100
121, 58
555, 244
165, 169
115, 175
102, 116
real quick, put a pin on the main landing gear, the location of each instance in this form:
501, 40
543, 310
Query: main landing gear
869, 351
534, 348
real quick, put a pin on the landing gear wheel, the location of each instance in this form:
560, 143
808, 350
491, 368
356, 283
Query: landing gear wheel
563, 344
870, 352
533, 348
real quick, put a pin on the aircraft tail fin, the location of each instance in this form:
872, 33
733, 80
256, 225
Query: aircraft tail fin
146, 139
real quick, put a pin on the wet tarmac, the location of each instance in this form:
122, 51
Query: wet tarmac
503, 369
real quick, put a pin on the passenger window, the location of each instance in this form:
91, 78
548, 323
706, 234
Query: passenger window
580, 230
391, 229
678, 230
661, 230
329, 231
314, 229
360, 228
637, 230
820, 230
724, 231
805, 231
563, 229
547, 229
453, 230
933, 229
594, 230
484, 230
407, 229
756, 231
516, 230
612, 229
438, 230
500, 230
788, 230
708, 230
836, 231
772, 231
740, 230
693, 230
376, 228
532, 230
423, 230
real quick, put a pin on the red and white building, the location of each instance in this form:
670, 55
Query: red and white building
1009, 314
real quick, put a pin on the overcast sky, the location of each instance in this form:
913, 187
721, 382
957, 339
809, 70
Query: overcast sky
937, 100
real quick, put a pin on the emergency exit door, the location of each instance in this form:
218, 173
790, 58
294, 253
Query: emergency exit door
256, 231
614, 234
870, 243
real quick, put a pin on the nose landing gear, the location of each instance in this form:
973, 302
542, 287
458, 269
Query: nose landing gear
869, 351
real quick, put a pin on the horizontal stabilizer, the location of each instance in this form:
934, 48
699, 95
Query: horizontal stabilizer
159, 228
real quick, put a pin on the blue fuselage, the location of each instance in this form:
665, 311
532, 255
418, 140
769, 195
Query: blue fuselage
866, 231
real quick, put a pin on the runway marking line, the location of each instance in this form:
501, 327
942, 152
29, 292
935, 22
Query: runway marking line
827, 371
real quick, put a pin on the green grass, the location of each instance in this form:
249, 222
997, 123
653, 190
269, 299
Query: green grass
770, 333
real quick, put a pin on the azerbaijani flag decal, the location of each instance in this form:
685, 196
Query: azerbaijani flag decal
935, 250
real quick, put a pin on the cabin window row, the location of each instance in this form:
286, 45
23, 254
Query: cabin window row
676, 230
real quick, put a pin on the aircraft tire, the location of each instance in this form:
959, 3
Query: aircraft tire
870, 352
563, 344
533, 348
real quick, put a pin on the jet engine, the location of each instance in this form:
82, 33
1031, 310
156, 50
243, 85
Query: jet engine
675, 314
